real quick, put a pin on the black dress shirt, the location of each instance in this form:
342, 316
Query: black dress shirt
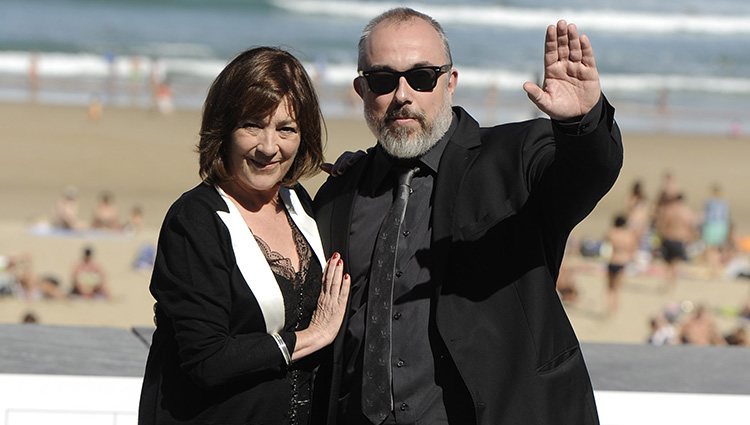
416, 396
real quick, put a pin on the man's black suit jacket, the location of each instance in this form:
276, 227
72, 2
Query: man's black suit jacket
505, 201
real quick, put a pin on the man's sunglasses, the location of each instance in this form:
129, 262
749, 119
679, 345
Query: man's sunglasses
421, 78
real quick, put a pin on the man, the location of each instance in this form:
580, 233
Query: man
475, 331
623, 245
677, 226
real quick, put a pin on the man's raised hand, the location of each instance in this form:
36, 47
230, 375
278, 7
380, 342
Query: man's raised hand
571, 85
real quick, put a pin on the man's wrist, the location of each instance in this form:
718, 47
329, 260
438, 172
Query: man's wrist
584, 124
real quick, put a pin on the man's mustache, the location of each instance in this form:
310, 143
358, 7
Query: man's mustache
405, 113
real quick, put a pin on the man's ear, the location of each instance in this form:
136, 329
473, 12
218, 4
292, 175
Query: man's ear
453, 80
359, 86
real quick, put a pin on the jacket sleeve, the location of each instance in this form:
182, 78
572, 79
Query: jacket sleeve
192, 283
569, 173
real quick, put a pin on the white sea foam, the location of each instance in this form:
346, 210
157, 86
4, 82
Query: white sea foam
76, 65
676, 83
600, 20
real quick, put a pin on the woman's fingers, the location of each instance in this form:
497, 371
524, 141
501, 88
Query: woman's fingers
333, 298
346, 284
336, 283
329, 272
336, 278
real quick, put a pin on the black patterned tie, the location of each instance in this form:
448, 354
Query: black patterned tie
377, 401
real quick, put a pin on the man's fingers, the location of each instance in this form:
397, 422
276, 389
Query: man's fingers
575, 54
563, 42
534, 91
587, 51
344, 162
550, 46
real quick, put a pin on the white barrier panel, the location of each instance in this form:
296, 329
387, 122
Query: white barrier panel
645, 408
68, 400
95, 400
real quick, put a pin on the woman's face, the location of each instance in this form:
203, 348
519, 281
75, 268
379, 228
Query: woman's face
262, 151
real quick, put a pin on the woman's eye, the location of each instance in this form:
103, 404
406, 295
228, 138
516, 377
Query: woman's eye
288, 130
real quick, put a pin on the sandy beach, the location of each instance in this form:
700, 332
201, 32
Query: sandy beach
148, 159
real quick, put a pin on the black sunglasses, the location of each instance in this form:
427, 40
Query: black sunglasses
421, 78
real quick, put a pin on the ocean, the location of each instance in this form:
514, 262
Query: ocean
677, 66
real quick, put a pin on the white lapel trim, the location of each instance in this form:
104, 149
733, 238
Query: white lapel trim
253, 266
304, 222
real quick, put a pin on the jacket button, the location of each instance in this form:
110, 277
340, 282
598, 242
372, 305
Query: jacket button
404, 407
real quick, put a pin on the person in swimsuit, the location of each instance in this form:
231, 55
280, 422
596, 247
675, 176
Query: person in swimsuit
623, 243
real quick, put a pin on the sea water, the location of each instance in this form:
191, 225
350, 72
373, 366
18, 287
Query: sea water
673, 66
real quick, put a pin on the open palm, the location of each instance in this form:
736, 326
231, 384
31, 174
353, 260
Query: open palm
571, 85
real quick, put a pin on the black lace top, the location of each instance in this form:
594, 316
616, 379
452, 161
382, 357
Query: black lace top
300, 290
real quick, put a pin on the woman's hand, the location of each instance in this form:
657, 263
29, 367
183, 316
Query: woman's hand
327, 318
334, 293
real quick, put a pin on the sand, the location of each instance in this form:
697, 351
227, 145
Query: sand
148, 159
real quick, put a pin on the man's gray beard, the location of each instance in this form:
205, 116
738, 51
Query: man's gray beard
404, 143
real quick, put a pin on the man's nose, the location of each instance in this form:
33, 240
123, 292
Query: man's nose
403, 90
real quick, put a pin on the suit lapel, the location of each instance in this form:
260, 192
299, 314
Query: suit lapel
341, 223
462, 149
253, 266
304, 223
339, 219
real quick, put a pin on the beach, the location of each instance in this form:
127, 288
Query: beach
147, 159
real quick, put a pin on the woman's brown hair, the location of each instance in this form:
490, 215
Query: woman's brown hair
251, 87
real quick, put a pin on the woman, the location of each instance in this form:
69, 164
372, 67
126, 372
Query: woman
239, 267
